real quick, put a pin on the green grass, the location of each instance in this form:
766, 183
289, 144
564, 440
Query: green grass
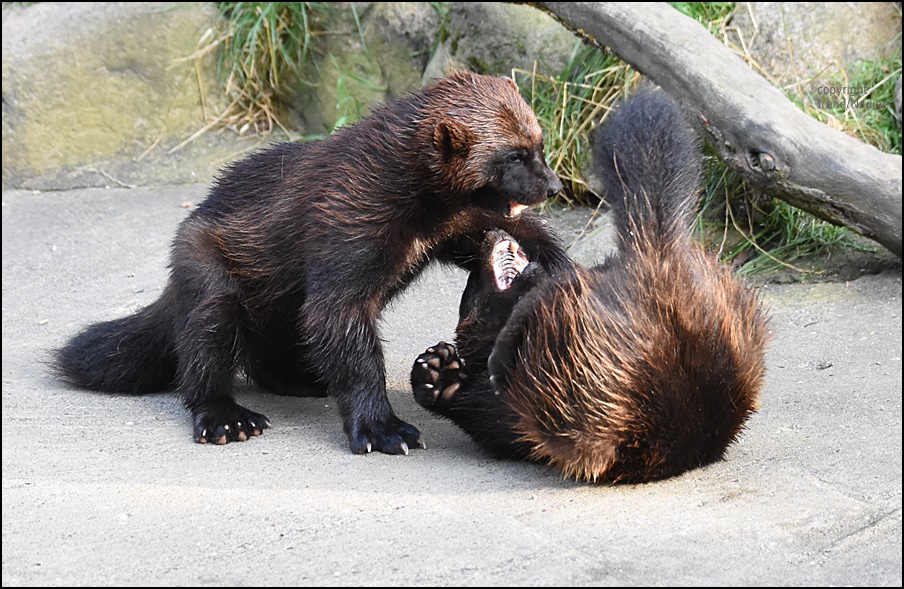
265, 45
751, 231
713, 15
268, 49
569, 104
770, 233
347, 101
868, 115
442, 10
757, 233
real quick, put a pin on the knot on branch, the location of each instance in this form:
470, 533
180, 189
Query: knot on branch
761, 160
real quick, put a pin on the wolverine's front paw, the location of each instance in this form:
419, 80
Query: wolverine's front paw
223, 420
390, 436
436, 375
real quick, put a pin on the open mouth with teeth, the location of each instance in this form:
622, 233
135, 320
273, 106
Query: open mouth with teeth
515, 209
508, 261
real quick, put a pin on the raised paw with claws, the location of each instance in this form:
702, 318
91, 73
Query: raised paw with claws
436, 375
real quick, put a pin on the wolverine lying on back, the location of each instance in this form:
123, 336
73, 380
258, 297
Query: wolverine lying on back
283, 271
637, 369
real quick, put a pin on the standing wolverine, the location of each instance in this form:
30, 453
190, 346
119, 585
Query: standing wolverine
282, 272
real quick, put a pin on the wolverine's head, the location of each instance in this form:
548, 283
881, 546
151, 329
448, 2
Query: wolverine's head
489, 143
504, 276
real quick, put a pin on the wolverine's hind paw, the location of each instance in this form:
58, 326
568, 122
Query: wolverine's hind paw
435, 376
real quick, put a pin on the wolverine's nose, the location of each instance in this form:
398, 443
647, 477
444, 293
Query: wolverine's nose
555, 186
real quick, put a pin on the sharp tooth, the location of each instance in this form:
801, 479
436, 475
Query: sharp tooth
515, 209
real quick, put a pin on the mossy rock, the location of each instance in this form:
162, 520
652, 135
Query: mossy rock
87, 84
495, 37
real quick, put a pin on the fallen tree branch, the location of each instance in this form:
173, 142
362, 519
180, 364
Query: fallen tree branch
751, 124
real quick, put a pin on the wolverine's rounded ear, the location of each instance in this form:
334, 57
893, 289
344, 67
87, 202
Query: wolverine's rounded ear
451, 138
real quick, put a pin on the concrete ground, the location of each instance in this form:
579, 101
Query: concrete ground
111, 490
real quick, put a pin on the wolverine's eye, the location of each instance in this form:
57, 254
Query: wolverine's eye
517, 156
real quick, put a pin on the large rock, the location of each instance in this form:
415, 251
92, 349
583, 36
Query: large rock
494, 37
806, 42
89, 87
352, 75
402, 36
101, 93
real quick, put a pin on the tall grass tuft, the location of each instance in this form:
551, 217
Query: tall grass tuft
569, 104
867, 113
265, 44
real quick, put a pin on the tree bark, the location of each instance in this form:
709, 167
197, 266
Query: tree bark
751, 124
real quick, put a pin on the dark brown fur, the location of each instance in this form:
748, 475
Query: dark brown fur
637, 369
283, 271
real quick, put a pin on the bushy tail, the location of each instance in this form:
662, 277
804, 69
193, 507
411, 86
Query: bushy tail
638, 371
626, 376
649, 163
129, 355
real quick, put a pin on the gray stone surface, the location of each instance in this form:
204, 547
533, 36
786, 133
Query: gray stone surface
494, 37
808, 43
349, 76
110, 490
97, 93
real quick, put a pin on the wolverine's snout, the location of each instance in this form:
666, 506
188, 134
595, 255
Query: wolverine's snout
555, 185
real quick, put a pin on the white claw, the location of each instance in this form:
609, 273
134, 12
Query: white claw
405, 448
369, 447
428, 386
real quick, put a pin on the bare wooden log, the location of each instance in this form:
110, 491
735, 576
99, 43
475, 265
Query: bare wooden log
752, 125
